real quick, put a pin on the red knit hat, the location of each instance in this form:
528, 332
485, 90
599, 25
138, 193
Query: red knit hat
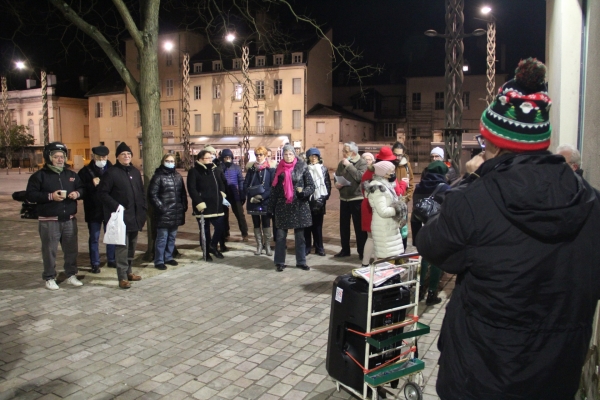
385, 154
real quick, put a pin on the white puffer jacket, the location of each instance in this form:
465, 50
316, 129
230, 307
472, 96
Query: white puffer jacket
385, 228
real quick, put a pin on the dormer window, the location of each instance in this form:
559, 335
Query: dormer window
217, 65
197, 68
261, 61
278, 59
237, 63
296, 58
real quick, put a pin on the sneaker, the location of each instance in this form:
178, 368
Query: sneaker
51, 284
162, 267
74, 281
172, 262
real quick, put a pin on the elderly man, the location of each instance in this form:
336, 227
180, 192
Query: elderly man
121, 186
347, 180
56, 189
572, 157
90, 176
520, 233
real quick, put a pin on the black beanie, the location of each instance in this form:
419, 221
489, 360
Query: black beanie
121, 148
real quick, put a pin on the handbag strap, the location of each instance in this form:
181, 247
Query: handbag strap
437, 189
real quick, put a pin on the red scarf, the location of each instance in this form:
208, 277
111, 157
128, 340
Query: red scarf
288, 186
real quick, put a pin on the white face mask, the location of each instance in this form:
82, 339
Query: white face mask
100, 163
169, 164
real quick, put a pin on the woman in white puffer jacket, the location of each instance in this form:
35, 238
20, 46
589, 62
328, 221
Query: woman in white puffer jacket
389, 211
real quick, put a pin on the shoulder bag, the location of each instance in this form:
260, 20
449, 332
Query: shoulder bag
255, 190
427, 207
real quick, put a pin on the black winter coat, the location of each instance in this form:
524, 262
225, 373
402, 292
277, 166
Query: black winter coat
121, 185
206, 184
255, 177
167, 194
297, 213
523, 239
44, 182
92, 206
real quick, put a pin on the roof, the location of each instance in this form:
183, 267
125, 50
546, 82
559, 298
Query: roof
335, 111
112, 84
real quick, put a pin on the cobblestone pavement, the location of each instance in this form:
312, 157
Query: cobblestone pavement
231, 329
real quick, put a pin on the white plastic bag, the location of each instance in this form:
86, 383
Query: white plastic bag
115, 228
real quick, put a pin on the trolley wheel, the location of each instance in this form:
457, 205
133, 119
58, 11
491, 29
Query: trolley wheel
416, 378
412, 391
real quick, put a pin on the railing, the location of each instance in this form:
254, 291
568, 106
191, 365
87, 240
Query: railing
252, 130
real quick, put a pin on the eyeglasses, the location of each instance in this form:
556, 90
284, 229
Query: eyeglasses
207, 158
260, 154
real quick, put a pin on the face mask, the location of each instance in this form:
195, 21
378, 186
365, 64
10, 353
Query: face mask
100, 164
169, 164
349, 158
392, 178
228, 164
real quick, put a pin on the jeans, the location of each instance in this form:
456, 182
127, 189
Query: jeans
94, 230
218, 224
350, 210
124, 254
52, 233
280, 251
165, 244
316, 231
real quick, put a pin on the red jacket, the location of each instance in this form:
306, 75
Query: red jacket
366, 212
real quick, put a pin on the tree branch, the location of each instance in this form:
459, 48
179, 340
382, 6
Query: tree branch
129, 23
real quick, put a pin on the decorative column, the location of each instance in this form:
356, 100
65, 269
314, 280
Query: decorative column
45, 107
491, 60
245, 106
185, 120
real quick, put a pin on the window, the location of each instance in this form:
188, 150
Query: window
136, 119
169, 87
216, 91
296, 119
237, 63
296, 58
389, 130
98, 110
237, 122
116, 108
238, 91
278, 59
466, 100
31, 129
169, 59
197, 92
197, 68
41, 125
416, 101
261, 61
320, 127
277, 119
197, 122
439, 100
278, 86
216, 122
168, 117
217, 65
296, 89
260, 122
260, 89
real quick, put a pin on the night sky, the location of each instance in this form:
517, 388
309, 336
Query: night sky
388, 32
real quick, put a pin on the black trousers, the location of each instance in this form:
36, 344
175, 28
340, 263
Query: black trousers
350, 210
238, 211
316, 232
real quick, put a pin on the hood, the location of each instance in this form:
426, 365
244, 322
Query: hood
539, 193
429, 181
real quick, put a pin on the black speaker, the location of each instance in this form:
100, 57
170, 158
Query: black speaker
349, 302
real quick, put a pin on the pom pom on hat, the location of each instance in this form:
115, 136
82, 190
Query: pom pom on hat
382, 168
519, 117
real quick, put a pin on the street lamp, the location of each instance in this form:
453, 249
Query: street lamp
491, 53
185, 108
454, 77
245, 100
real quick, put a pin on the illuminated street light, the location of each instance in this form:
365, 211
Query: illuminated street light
168, 46
486, 10
230, 37
20, 64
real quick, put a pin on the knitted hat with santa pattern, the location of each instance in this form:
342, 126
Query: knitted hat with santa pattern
519, 117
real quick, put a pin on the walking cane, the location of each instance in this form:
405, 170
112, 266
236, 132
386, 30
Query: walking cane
203, 236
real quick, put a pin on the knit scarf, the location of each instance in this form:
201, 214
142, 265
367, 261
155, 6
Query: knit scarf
316, 172
288, 185
58, 170
262, 166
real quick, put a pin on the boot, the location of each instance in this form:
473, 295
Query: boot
267, 242
432, 298
259, 241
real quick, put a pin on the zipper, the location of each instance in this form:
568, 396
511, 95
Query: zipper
217, 185
64, 211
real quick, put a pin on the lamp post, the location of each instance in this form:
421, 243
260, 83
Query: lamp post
185, 108
491, 53
245, 101
44, 82
454, 77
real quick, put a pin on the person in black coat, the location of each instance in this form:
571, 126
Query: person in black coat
169, 198
521, 233
56, 189
122, 186
434, 175
290, 192
90, 176
260, 178
206, 185
322, 181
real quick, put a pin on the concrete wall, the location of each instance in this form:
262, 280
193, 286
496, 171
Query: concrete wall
325, 142
318, 74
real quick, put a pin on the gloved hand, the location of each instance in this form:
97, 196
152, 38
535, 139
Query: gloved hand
226, 203
258, 197
201, 207
255, 200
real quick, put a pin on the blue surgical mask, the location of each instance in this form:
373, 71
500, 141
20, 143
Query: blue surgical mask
100, 164
169, 164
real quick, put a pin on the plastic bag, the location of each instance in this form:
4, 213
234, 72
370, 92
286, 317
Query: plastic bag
116, 230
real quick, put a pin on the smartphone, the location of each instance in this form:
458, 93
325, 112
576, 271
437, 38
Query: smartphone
481, 141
